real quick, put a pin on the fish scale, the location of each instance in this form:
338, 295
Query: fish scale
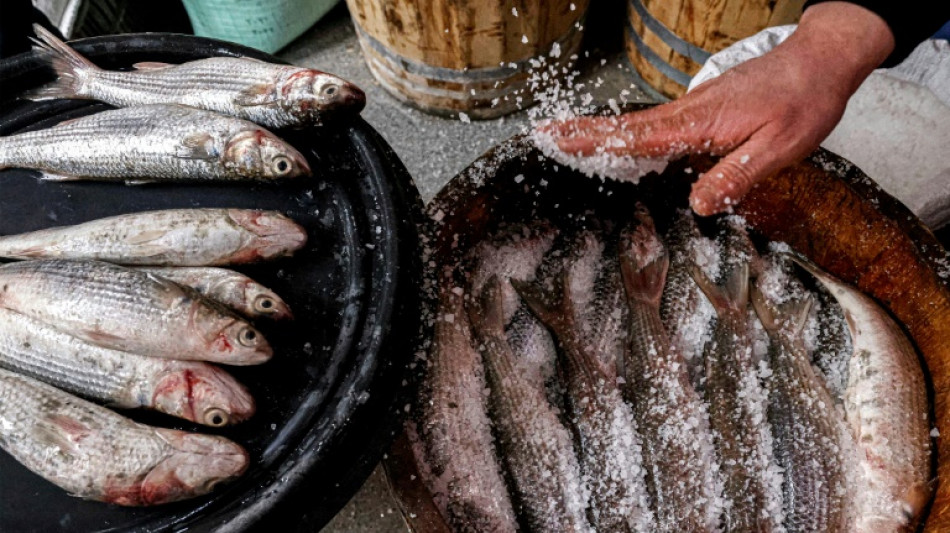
128, 310
97, 454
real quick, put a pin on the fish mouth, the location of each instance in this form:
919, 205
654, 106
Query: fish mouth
352, 98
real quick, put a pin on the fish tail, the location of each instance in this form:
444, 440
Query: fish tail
732, 295
72, 69
792, 314
644, 282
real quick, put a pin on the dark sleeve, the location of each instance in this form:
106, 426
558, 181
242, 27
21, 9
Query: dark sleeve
911, 22
16, 26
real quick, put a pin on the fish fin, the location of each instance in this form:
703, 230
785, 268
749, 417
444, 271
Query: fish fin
260, 94
97, 337
146, 236
62, 432
791, 315
151, 65
644, 284
487, 314
551, 307
71, 68
52, 176
139, 181
730, 297
197, 146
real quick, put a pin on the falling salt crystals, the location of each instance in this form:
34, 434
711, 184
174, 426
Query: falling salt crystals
524, 39
514, 11
464, 118
935, 433
601, 163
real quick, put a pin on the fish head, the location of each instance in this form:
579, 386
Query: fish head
265, 302
260, 154
311, 93
203, 394
277, 235
231, 340
196, 465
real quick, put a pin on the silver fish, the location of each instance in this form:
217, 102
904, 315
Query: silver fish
678, 450
609, 444
806, 427
154, 143
458, 448
265, 93
537, 449
96, 454
521, 252
737, 400
173, 237
232, 289
687, 314
123, 309
887, 410
191, 390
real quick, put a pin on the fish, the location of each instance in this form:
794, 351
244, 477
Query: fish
191, 390
806, 427
537, 449
97, 454
171, 237
468, 485
609, 443
154, 143
678, 452
229, 288
124, 309
268, 94
887, 411
687, 314
523, 252
736, 398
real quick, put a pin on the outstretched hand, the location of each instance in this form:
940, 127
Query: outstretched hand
761, 115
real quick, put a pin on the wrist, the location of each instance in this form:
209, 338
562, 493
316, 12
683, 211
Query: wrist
840, 43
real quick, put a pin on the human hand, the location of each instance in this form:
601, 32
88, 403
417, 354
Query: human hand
761, 115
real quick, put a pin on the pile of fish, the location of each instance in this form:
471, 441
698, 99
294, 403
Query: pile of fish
130, 311
140, 335
602, 378
200, 120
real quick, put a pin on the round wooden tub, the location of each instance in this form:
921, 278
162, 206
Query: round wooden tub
823, 207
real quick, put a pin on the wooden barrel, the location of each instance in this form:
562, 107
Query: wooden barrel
669, 40
471, 56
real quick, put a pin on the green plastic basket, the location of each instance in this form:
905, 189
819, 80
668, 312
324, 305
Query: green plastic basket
267, 25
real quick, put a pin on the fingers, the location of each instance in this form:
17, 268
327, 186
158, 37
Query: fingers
734, 175
658, 132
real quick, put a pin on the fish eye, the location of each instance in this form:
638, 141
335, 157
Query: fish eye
265, 303
282, 165
248, 337
330, 90
215, 417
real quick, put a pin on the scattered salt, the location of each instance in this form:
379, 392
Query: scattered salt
514, 11
524, 39
464, 118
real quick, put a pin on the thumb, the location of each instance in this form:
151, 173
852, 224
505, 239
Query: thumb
735, 174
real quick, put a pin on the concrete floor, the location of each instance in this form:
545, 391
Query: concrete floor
434, 150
